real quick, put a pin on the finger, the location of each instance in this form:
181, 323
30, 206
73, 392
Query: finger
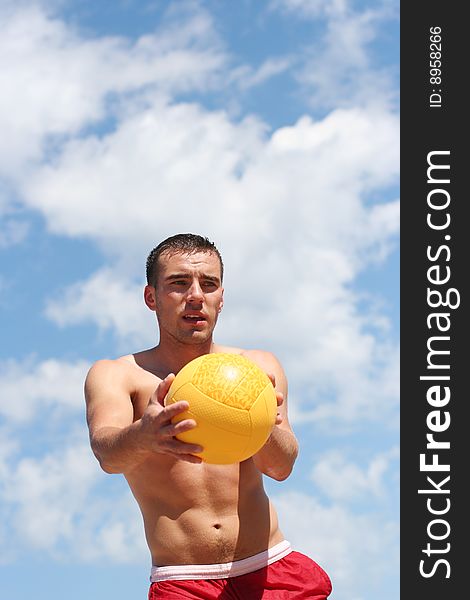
187, 452
272, 378
172, 410
163, 388
174, 429
178, 447
159, 394
279, 398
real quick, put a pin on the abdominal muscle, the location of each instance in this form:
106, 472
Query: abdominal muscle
201, 513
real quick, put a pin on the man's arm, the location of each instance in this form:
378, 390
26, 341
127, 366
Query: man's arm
120, 443
277, 457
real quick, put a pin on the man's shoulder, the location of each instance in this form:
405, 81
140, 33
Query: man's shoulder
121, 375
227, 349
263, 358
120, 368
104, 365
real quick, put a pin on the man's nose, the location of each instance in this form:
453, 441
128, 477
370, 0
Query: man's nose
195, 292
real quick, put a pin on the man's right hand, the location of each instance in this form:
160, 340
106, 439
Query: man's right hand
159, 432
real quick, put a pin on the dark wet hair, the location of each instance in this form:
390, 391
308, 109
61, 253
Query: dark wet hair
185, 243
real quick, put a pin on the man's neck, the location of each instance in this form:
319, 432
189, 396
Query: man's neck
173, 356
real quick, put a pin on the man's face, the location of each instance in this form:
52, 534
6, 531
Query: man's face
189, 296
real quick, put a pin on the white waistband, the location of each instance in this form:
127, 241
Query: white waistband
222, 570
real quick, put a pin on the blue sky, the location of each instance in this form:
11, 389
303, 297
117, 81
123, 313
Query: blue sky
272, 127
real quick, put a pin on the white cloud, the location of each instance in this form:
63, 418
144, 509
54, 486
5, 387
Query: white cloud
48, 492
54, 505
8, 447
55, 82
344, 481
13, 231
340, 74
156, 174
349, 388
342, 542
339, 67
108, 301
51, 499
246, 77
28, 387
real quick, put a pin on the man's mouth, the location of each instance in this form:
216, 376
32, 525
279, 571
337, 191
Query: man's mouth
194, 318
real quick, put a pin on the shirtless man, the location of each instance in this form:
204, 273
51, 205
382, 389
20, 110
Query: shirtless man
211, 530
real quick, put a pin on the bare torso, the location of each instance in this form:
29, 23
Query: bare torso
196, 513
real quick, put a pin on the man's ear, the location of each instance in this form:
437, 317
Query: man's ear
149, 297
221, 303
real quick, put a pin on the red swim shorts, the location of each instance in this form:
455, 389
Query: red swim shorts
294, 577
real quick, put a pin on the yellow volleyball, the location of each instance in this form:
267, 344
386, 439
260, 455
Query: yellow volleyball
233, 403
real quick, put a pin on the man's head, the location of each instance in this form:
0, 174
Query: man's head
181, 243
184, 274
